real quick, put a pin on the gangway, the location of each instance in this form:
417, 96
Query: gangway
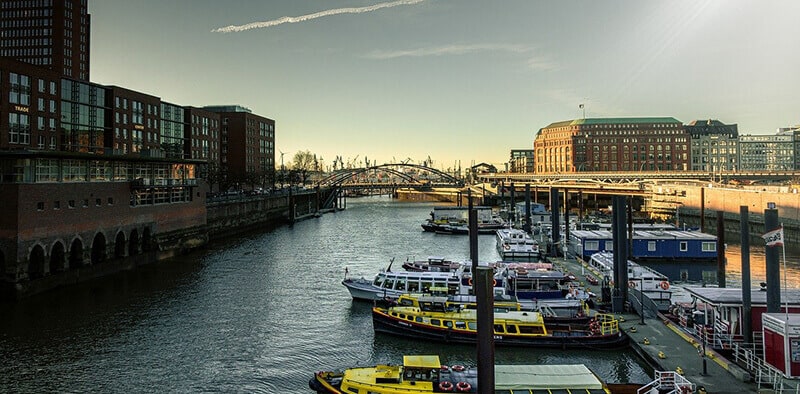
667, 382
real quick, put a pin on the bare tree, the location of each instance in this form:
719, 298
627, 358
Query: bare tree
303, 163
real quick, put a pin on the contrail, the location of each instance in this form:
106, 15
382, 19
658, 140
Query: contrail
303, 18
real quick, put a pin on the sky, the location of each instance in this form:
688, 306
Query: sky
458, 81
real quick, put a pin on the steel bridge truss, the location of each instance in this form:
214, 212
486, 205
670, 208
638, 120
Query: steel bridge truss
390, 176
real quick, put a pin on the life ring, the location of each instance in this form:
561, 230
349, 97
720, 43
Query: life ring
457, 368
611, 283
444, 368
631, 284
506, 247
665, 285
463, 386
522, 271
469, 281
445, 385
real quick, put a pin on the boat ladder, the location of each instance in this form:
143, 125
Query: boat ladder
667, 382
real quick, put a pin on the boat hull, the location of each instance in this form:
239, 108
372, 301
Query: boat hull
383, 323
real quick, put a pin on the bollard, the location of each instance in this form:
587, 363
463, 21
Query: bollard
646, 341
661, 354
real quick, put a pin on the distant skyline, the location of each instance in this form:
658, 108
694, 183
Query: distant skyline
459, 81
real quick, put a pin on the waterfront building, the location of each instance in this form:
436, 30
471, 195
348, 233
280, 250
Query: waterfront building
134, 120
612, 144
521, 161
31, 107
247, 145
767, 152
53, 34
714, 145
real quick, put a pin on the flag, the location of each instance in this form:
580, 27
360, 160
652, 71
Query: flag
774, 237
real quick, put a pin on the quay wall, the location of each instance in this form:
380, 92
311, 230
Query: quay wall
691, 203
53, 235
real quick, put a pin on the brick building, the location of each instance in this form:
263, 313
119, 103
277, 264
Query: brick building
247, 145
612, 144
52, 34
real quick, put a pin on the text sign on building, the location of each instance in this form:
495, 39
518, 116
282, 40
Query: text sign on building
21, 108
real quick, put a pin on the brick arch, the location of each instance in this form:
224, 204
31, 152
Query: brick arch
36, 262
76, 254
133, 243
57, 257
119, 244
99, 244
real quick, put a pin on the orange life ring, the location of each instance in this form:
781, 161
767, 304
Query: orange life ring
494, 282
444, 368
445, 385
463, 386
469, 281
457, 368
665, 285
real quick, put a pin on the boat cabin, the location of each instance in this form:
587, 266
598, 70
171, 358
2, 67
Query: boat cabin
680, 255
418, 282
722, 310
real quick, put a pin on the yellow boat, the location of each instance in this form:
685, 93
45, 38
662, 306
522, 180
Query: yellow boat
425, 374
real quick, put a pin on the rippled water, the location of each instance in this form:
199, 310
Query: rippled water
257, 314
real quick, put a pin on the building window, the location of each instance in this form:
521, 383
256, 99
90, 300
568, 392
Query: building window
19, 130
40, 206
71, 204
111, 201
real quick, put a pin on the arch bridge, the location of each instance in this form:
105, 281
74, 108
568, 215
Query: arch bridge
376, 179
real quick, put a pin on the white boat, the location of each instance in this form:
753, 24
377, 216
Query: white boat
391, 284
516, 244
639, 277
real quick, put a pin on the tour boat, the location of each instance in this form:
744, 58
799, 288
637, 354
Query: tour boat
652, 283
389, 284
516, 244
437, 320
421, 374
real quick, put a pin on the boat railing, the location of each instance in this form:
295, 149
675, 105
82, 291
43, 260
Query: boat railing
764, 375
608, 323
668, 382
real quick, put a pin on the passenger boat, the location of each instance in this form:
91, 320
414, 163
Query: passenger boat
652, 283
454, 220
516, 244
421, 374
434, 321
432, 264
389, 284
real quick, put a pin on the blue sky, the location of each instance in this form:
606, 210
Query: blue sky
461, 81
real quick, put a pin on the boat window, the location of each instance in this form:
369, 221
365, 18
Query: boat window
405, 302
591, 245
401, 284
436, 322
523, 329
651, 246
426, 286
709, 246
448, 324
413, 286
388, 283
472, 325
419, 319
609, 246
379, 280
452, 288
684, 246
461, 325
511, 329
409, 317
498, 329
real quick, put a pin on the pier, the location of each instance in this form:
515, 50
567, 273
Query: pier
667, 346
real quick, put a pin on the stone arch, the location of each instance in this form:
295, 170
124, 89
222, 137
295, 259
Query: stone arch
76, 254
99, 254
147, 240
57, 257
119, 245
36, 262
133, 243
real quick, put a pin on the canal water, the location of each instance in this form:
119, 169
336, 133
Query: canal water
259, 313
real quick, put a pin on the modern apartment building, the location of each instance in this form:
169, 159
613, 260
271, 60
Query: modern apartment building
521, 161
53, 34
612, 144
247, 145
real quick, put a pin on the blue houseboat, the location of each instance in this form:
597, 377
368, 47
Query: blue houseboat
680, 255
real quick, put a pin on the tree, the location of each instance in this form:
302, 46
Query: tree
303, 163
